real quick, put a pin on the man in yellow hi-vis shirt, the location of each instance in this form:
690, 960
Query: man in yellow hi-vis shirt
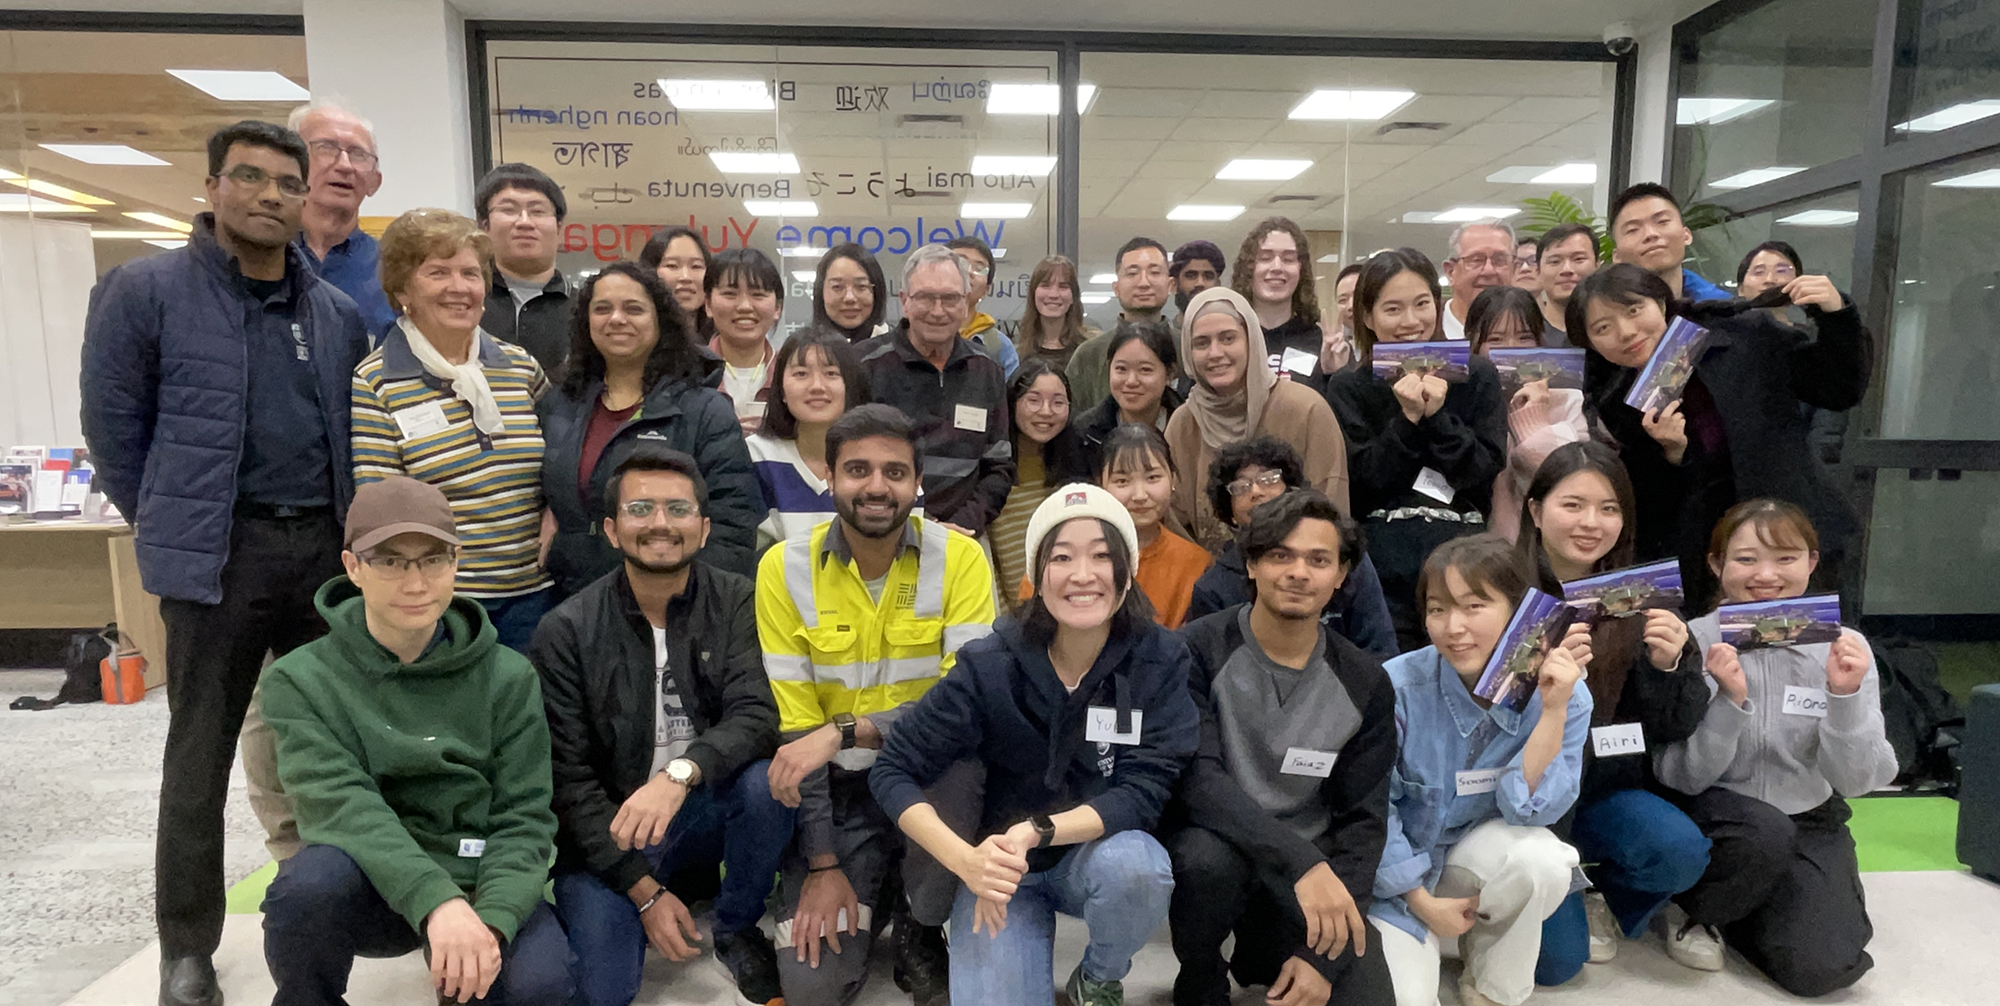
857, 620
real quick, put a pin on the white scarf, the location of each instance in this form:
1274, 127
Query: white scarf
468, 379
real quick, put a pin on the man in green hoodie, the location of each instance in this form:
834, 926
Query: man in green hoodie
418, 754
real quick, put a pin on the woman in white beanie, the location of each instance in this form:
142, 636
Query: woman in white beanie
1080, 710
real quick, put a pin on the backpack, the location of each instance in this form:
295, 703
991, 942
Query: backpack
1918, 715
81, 679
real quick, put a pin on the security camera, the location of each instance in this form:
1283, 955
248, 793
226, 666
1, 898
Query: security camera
1618, 38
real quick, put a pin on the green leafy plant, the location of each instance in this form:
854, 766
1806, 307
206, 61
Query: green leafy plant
1540, 213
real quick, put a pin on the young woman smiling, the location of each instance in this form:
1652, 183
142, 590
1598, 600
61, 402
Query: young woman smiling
681, 259
1143, 364
1539, 418
1139, 472
746, 296
1047, 453
1053, 327
850, 293
817, 381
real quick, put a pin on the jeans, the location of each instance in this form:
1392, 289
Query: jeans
1643, 851
321, 912
1120, 886
742, 827
515, 618
216, 652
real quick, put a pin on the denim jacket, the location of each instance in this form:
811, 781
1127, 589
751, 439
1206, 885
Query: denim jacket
1441, 731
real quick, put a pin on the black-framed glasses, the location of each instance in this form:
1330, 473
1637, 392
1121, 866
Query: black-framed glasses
1267, 480
251, 176
642, 509
395, 567
360, 157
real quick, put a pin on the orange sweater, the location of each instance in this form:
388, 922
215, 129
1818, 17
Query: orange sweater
1168, 569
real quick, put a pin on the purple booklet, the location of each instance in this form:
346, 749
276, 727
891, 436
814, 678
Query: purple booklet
1666, 373
1788, 621
1451, 361
1622, 593
1515, 667
1562, 368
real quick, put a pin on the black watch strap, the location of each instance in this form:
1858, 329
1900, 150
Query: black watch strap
1045, 830
844, 722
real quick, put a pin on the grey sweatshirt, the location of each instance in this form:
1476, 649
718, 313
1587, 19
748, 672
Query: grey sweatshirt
1773, 747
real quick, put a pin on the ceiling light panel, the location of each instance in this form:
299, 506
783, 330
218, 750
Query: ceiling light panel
801, 251
1573, 173
1260, 169
731, 162
1754, 176
104, 153
22, 202
118, 235
1010, 164
162, 220
169, 244
1355, 105
996, 211
1211, 212
1715, 111
718, 95
1035, 99
54, 191
1821, 218
781, 207
1103, 278
1467, 214
1954, 115
244, 85
1988, 179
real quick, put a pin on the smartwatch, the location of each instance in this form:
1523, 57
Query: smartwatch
1045, 830
681, 770
844, 722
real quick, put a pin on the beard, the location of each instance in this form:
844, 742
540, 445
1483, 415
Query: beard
849, 509
667, 568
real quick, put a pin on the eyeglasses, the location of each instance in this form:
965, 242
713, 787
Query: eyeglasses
1783, 271
510, 212
642, 509
933, 301
1035, 402
360, 157
1268, 480
252, 177
395, 567
1498, 260
1525, 262
838, 289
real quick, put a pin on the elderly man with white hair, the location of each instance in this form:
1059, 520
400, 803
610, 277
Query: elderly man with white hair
1482, 257
345, 171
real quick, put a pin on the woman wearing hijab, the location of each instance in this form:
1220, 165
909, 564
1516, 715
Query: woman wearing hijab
849, 293
1237, 396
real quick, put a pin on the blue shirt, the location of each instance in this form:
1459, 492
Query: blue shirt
1693, 287
354, 268
286, 461
1442, 731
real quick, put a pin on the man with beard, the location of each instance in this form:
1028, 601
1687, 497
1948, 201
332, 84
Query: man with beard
1197, 266
662, 724
858, 619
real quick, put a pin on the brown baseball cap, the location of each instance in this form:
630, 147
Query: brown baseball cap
398, 505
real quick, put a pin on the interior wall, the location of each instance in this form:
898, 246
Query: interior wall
46, 272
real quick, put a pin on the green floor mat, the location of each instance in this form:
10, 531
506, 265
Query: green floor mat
1905, 833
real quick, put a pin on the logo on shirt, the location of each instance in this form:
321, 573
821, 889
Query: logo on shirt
1106, 761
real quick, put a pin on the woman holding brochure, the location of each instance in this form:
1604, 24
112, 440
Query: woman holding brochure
1542, 414
1736, 431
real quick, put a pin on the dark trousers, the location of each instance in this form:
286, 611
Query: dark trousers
1399, 549
1784, 890
214, 654
1218, 890
321, 912
1642, 850
742, 827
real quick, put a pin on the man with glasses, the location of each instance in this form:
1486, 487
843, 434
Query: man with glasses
345, 171
1568, 256
1482, 257
416, 748
215, 388
678, 780
1527, 270
522, 210
980, 326
954, 394
1142, 285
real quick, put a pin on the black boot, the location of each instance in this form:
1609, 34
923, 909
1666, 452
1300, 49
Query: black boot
923, 963
189, 981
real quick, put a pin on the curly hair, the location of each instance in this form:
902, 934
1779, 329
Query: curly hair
673, 352
1305, 302
420, 235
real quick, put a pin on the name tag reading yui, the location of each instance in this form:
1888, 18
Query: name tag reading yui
1306, 761
1618, 739
1102, 726
471, 848
1474, 781
1802, 701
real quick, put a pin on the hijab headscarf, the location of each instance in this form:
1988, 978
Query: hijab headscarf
1227, 419
467, 379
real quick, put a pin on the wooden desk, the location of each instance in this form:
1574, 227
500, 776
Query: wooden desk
77, 575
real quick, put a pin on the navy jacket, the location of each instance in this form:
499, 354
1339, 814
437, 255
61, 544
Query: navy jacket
1003, 705
678, 414
165, 376
1356, 612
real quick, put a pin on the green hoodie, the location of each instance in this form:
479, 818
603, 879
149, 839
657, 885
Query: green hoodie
407, 767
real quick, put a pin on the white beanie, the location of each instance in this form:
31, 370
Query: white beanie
1079, 499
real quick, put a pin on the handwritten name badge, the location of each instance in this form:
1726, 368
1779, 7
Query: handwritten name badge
1306, 761
1802, 701
1431, 482
1474, 781
1618, 739
969, 417
1102, 726
421, 421
1298, 361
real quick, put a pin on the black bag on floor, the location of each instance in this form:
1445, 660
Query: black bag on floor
1915, 706
82, 680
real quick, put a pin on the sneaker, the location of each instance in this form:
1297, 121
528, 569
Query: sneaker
1084, 992
923, 962
1690, 943
1604, 931
1469, 994
751, 960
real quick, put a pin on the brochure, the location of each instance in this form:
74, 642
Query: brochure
1451, 361
1666, 374
1622, 593
1562, 368
1789, 621
1516, 665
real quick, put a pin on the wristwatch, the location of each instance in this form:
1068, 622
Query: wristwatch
1045, 830
844, 722
682, 771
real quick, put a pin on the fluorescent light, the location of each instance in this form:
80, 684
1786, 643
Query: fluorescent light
781, 207
1821, 218
244, 85
1095, 298
718, 95
169, 244
805, 275
1467, 214
1008, 164
1342, 103
1988, 179
1954, 115
1215, 212
117, 235
22, 202
1035, 99
9, 176
1419, 217
1518, 174
54, 191
801, 251
162, 220
1573, 173
1257, 169
103, 153
1715, 111
1330, 258
1103, 278
741, 163
999, 253
998, 211
1754, 176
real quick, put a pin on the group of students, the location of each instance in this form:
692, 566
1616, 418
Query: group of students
884, 619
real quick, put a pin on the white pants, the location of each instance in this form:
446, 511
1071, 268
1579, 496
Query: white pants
1521, 876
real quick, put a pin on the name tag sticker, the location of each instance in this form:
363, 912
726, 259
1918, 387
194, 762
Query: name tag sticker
1431, 483
1802, 701
421, 420
1102, 726
969, 417
471, 848
752, 410
1474, 781
1299, 361
1306, 761
1618, 739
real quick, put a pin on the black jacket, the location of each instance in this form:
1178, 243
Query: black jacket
595, 655
1755, 372
1356, 611
1096, 423
1667, 705
541, 326
967, 471
1465, 440
696, 421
